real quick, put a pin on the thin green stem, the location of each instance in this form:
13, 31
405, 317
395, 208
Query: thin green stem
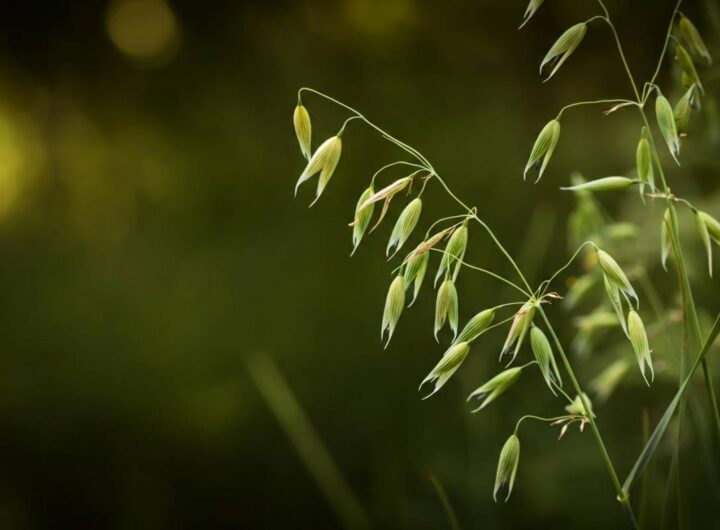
385, 135
620, 49
449, 218
489, 273
665, 46
595, 102
622, 496
562, 391
342, 129
549, 281
543, 419
393, 164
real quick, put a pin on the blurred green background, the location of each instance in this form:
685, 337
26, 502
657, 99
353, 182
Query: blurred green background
151, 245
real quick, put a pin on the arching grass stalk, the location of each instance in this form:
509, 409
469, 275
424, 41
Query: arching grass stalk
525, 289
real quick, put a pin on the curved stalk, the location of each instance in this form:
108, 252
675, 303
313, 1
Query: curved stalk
622, 496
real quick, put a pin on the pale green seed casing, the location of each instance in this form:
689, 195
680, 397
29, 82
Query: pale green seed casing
394, 304
666, 123
507, 467
688, 67
545, 358
303, 130
362, 218
564, 47
532, 8
518, 329
693, 38
476, 326
446, 307
543, 148
713, 226
640, 344
683, 110
614, 273
603, 184
665, 238
446, 367
406, 223
415, 272
643, 162
488, 392
454, 252
704, 238
324, 160
613, 293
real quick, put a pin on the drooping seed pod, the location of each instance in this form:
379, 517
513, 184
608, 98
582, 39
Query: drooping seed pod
614, 273
446, 367
666, 123
476, 326
362, 218
490, 391
324, 160
394, 304
406, 223
693, 38
507, 467
688, 67
643, 161
544, 356
303, 130
446, 307
518, 329
543, 149
705, 238
683, 110
665, 238
713, 226
564, 47
454, 252
613, 293
415, 272
639, 341
603, 184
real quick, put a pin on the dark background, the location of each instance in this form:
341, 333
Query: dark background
150, 245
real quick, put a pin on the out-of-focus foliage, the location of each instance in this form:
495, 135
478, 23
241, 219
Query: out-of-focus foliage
150, 243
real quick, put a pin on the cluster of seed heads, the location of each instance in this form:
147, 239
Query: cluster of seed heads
448, 237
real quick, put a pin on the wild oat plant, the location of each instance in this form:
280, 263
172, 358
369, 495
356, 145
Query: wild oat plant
594, 233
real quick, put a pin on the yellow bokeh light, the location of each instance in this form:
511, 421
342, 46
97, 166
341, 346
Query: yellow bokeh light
21, 158
146, 31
